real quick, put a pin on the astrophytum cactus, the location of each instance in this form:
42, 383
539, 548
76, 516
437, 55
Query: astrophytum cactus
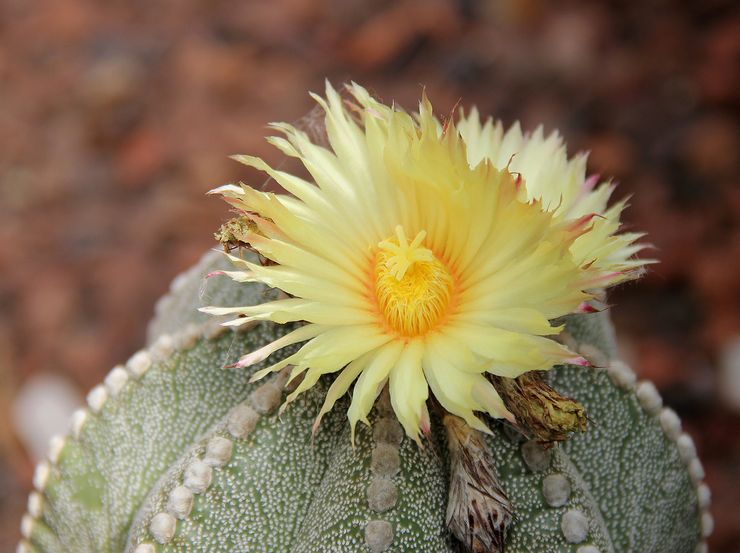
175, 453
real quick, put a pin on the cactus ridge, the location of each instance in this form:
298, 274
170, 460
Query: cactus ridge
288, 494
92, 485
175, 454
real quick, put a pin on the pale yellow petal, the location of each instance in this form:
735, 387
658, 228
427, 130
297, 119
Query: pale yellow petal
289, 255
510, 354
295, 309
228, 190
301, 334
341, 384
297, 283
515, 319
462, 393
337, 346
546, 279
370, 383
408, 388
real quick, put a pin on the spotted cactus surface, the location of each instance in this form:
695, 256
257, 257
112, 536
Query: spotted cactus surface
174, 453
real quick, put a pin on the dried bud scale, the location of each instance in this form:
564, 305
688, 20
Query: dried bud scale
540, 411
478, 511
235, 232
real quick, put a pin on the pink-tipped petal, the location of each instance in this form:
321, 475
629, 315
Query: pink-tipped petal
600, 280
424, 423
590, 183
586, 307
518, 181
580, 361
580, 224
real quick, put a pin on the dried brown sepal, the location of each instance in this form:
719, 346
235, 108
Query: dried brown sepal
478, 511
541, 412
235, 232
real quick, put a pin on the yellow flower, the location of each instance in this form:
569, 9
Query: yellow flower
412, 259
561, 185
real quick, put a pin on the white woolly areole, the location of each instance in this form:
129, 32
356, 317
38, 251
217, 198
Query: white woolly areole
671, 423
198, 477
178, 283
139, 363
27, 526
381, 494
96, 398
696, 470
385, 460
41, 475
56, 444
78, 421
116, 380
164, 346
180, 502
242, 420
574, 525
35, 504
556, 489
387, 430
536, 457
649, 397
188, 337
266, 398
218, 451
622, 375
162, 527
686, 448
378, 535
704, 494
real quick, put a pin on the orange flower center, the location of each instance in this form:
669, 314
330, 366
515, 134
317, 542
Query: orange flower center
412, 286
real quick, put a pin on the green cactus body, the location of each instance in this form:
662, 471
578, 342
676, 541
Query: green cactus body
176, 454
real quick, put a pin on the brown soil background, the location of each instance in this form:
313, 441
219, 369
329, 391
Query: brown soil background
116, 117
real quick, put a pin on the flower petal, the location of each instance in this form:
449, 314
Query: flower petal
461, 393
341, 384
408, 388
510, 354
369, 384
301, 334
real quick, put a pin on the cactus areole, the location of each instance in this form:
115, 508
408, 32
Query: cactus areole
439, 281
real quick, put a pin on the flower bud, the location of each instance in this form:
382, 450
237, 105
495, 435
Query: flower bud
540, 411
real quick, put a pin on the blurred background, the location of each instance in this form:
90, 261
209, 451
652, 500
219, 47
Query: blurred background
116, 117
